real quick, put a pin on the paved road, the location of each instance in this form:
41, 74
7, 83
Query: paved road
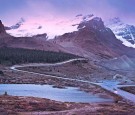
111, 86
47, 64
114, 87
15, 68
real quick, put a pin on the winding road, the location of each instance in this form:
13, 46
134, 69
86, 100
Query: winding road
111, 86
114, 87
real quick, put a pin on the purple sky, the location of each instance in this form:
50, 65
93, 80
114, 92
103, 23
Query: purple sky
51, 12
12, 10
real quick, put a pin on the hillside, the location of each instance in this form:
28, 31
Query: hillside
12, 56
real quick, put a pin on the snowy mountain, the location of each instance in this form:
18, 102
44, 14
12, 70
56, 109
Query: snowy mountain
123, 32
38, 42
55, 27
88, 37
93, 40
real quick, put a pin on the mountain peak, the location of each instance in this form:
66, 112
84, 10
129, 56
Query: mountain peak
95, 23
2, 29
124, 32
98, 19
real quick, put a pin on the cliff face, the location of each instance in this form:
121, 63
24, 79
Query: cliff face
4, 37
2, 29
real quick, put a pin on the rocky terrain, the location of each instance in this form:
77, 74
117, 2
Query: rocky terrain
83, 70
12, 105
122, 63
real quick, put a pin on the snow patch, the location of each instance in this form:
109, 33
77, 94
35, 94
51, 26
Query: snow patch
125, 42
122, 31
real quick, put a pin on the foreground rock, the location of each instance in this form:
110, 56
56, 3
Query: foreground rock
13, 105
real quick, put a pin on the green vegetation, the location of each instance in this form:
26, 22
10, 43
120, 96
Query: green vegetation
11, 56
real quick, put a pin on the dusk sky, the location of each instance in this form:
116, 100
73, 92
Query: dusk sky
52, 13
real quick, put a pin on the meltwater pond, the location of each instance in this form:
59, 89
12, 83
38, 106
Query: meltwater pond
69, 94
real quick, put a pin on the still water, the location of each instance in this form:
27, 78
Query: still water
69, 94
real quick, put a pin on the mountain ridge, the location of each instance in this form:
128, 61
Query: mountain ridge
92, 40
94, 37
38, 42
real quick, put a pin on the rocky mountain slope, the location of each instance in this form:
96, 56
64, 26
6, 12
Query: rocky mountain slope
93, 39
36, 42
119, 63
4, 37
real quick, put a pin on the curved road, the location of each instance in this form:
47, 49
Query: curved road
111, 86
